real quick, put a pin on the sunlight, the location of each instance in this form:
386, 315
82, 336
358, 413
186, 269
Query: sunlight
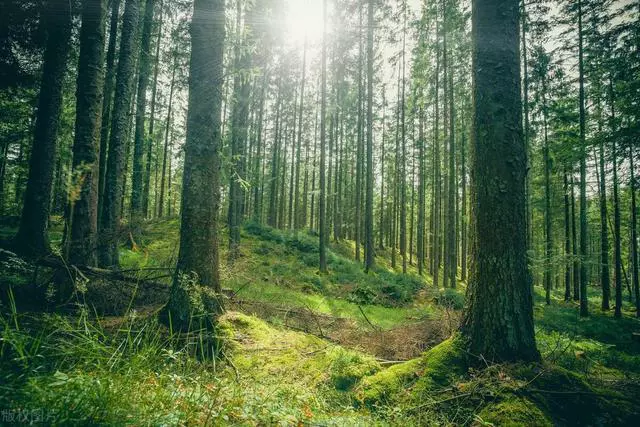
304, 19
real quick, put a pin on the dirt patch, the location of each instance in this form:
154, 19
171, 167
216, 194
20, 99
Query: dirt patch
401, 343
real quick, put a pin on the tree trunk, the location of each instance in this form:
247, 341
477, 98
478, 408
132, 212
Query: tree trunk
584, 303
403, 164
152, 120
116, 158
323, 136
498, 320
369, 255
239, 131
81, 248
567, 240
605, 282
547, 196
107, 101
167, 148
32, 239
421, 194
138, 199
199, 253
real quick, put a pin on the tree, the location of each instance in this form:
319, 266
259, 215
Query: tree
199, 253
107, 100
114, 180
498, 320
138, 201
369, 255
322, 202
32, 239
83, 212
584, 303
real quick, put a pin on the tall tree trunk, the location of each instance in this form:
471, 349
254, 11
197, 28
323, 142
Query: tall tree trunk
360, 139
451, 207
107, 101
547, 197
152, 121
584, 302
116, 158
139, 200
403, 174
199, 252
464, 224
32, 239
239, 130
437, 204
498, 320
81, 248
574, 245
421, 194
323, 136
605, 282
272, 219
369, 255
617, 246
167, 148
257, 176
567, 240
382, 155
297, 202
527, 126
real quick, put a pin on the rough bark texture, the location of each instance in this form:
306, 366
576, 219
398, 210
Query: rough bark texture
199, 253
605, 281
82, 242
114, 180
239, 128
584, 303
109, 82
369, 255
567, 240
323, 136
138, 198
498, 320
31, 239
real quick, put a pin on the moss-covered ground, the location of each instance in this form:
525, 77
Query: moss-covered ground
300, 348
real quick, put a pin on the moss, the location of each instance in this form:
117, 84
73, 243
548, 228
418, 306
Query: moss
567, 398
411, 379
514, 411
389, 384
349, 367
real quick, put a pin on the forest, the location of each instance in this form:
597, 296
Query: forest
319, 212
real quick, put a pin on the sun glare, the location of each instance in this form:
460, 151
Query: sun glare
304, 20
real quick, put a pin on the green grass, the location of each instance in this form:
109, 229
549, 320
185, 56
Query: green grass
133, 371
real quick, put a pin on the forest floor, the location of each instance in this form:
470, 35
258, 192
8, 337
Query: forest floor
296, 347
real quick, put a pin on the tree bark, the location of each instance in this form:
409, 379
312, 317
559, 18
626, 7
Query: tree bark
369, 255
116, 158
498, 320
323, 136
138, 199
107, 101
31, 239
199, 251
81, 248
584, 303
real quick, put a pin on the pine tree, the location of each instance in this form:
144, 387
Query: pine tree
498, 327
83, 218
32, 239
